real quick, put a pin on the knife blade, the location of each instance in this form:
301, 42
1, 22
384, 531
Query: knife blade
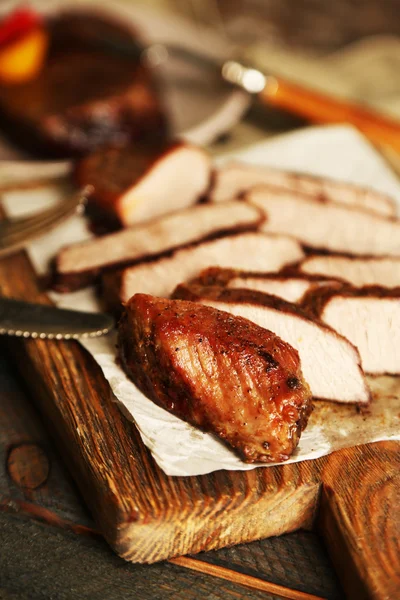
26, 319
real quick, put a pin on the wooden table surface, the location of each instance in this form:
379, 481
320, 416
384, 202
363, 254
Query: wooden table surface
49, 547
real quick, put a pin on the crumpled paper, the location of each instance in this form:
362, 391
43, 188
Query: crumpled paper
179, 448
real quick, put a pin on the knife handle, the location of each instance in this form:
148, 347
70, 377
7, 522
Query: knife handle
320, 108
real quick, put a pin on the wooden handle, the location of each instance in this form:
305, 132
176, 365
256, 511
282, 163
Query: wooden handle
319, 108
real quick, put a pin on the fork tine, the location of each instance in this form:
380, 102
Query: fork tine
26, 223
14, 235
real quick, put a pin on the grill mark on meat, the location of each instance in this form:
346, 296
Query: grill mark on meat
330, 227
319, 345
81, 264
235, 179
227, 393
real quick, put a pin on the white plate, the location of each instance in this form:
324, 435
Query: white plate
199, 105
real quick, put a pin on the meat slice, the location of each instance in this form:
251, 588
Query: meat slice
357, 271
288, 288
328, 226
235, 178
369, 318
223, 374
330, 363
249, 251
85, 96
79, 264
135, 183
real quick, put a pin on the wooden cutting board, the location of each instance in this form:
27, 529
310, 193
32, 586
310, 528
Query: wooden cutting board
352, 496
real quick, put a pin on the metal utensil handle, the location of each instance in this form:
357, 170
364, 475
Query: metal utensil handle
320, 108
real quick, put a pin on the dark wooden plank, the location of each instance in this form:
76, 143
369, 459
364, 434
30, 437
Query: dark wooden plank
296, 562
39, 562
32, 476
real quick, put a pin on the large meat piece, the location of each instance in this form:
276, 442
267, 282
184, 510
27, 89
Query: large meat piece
79, 264
137, 183
235, 178
290, 288
85, 96
223, 374
359, 272
369, 318
328, 226
330, 363
248, 251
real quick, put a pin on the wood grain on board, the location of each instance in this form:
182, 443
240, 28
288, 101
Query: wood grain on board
147, 516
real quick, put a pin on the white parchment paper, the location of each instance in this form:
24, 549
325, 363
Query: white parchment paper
178, 448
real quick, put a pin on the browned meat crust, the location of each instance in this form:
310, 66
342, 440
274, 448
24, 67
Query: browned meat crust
139, 182
315, 300
221, 277
84, 97
221, 373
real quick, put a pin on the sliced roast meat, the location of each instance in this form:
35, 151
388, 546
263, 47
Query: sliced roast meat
357, 271
223, 374
369, 318
248, 251
288, 288
327, 226
79, 264
235, 178
330, 363
135, 184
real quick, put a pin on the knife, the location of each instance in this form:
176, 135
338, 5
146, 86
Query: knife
271, 90
29, 320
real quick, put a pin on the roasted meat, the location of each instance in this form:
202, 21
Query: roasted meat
359, 272
290, 288
330, 363
85, 96
137, 183
250, 251
235, 178
79, 264
223, 374
325, 225
369, 318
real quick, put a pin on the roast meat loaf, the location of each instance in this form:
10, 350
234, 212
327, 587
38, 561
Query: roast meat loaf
221, 373
85, 96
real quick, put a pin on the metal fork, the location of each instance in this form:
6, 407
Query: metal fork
15, 233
